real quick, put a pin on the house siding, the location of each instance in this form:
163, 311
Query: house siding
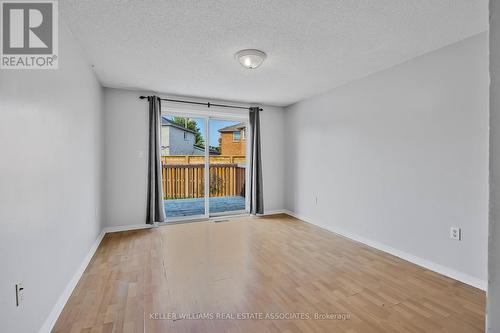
179, 145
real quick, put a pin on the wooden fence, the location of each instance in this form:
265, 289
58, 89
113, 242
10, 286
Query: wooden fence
200, 159
182, 181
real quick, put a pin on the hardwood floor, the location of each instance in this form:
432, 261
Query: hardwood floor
272, 266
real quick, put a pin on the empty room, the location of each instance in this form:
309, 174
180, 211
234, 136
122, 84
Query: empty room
249, 166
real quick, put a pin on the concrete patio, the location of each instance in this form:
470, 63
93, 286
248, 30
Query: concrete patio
191, 207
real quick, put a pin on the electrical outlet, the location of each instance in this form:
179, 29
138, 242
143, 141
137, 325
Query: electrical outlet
455, 233
19, 293
316, 199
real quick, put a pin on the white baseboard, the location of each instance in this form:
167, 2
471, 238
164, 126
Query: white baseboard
430, 265
61, 302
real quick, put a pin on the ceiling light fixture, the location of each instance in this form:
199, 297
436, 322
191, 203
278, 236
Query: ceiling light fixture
250, 58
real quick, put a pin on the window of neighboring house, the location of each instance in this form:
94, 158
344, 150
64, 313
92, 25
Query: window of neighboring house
236, 136
185, 136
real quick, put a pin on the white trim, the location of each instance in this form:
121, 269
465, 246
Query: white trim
430, 265
194, 113
226, 217
246, 121
248, 140
206, 173
207, 116
274, 212
127, 227
228, 213
49, 323
239, 139
187, 218
183, 221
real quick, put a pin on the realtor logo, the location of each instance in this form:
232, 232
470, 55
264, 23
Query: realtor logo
29, 35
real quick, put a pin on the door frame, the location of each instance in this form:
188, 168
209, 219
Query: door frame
207, 116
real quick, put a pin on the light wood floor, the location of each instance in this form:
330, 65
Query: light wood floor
272, 266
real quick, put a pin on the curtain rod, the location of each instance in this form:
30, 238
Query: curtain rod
208, 104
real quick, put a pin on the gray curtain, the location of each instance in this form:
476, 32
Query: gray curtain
155, 207
256, 193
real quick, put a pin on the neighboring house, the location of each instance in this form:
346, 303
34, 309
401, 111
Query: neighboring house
232, 140
177, 140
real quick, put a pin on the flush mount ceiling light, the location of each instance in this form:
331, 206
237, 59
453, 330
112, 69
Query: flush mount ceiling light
250, 58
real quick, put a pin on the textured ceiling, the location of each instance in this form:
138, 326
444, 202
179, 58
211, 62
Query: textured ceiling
187, 47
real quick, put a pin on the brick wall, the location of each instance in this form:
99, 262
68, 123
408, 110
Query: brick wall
229, 147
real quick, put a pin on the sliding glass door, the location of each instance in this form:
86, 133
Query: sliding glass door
227, 169
204, 166
183, 157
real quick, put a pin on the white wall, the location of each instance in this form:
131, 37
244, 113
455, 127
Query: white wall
125, 141
493, 299
50, 172
397, 158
